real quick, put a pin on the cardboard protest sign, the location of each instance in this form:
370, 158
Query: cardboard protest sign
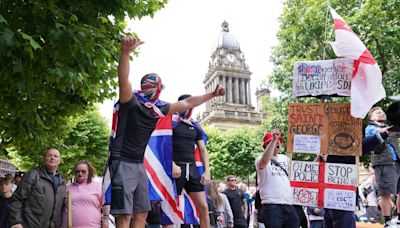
305, 196
340, 199
327, 126
340, 174
323, 77
345, 132
328, 185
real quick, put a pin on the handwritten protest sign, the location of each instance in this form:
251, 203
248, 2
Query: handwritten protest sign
307, 144
305, 196
336, 173
345, 132
304, 171
339, 133
340, 199
316, 184
323, 77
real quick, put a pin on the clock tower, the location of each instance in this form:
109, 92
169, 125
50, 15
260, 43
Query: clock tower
228, 68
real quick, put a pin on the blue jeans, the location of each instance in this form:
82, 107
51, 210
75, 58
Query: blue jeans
280, 216
339, 219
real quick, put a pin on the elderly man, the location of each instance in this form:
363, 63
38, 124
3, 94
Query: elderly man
275, 191
39, 198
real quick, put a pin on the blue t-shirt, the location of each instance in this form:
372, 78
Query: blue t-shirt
370, 130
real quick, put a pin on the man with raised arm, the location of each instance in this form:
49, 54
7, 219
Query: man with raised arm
273, 180
137, 118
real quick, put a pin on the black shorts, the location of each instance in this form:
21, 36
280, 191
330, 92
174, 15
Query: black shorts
191, 185
388, 178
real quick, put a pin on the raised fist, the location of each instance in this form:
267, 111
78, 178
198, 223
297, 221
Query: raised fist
219, 91
129, 43
277, 132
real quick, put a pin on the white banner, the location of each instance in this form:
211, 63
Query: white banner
324, 77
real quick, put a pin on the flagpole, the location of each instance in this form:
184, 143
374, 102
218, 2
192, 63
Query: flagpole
326, 30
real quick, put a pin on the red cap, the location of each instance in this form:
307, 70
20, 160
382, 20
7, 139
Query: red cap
268, 136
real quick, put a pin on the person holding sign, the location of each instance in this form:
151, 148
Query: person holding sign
275, 190
385, 160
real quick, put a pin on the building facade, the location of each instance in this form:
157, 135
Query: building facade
228, 68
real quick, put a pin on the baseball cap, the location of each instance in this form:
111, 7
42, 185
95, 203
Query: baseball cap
268, 136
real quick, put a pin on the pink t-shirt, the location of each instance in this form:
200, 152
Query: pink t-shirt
86, 205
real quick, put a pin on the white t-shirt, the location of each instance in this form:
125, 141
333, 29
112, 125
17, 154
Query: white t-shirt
273, 182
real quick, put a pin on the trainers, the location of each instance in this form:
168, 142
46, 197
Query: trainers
396, 222
388, 224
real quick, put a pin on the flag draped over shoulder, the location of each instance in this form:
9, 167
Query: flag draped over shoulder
158, 163
366, 85
185, 203
106, 198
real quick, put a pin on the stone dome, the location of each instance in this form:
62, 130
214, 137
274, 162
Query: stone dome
226, 40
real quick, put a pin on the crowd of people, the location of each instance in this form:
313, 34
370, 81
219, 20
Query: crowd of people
42, 198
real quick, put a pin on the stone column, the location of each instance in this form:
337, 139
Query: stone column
248, 92
224, 98
229, 89
236, 100
242, 93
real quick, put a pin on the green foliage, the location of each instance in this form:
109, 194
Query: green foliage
302, 33
233, 152
57, 58
87, 139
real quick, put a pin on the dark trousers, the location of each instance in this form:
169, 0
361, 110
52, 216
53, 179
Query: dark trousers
339, 219
280, 216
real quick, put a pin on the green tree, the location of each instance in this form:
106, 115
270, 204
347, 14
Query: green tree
233, 152
302, 34
87, 139
303, 27
57, 58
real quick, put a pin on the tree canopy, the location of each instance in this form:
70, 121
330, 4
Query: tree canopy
302, 35
57, 59
86, 139
233, 152
303, 27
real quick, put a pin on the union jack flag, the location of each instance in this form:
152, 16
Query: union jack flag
158, 162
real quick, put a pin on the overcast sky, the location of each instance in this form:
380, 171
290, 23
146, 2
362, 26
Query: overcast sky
179, 40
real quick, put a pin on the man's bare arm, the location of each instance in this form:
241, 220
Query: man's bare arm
194, 101
128, 44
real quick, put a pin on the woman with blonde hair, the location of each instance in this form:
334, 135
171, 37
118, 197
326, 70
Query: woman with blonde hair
86, 201
219, 205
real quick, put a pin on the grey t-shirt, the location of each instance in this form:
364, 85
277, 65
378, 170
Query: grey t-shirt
136, 122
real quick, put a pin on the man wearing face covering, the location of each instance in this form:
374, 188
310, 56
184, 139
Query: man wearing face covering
137, 118
186, 135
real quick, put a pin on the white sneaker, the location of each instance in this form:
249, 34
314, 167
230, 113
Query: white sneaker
388, 224
396, 222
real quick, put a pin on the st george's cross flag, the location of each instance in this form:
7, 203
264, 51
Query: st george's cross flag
366, 84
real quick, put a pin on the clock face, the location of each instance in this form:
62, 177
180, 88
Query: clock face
231, 57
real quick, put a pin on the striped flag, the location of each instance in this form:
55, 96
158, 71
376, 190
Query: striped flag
366, 85
158, 163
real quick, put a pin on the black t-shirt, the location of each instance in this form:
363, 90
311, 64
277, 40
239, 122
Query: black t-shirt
185, 138
235, 198
4, 212
136, 122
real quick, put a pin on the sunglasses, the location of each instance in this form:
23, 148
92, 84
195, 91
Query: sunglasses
232, 180
80, 171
